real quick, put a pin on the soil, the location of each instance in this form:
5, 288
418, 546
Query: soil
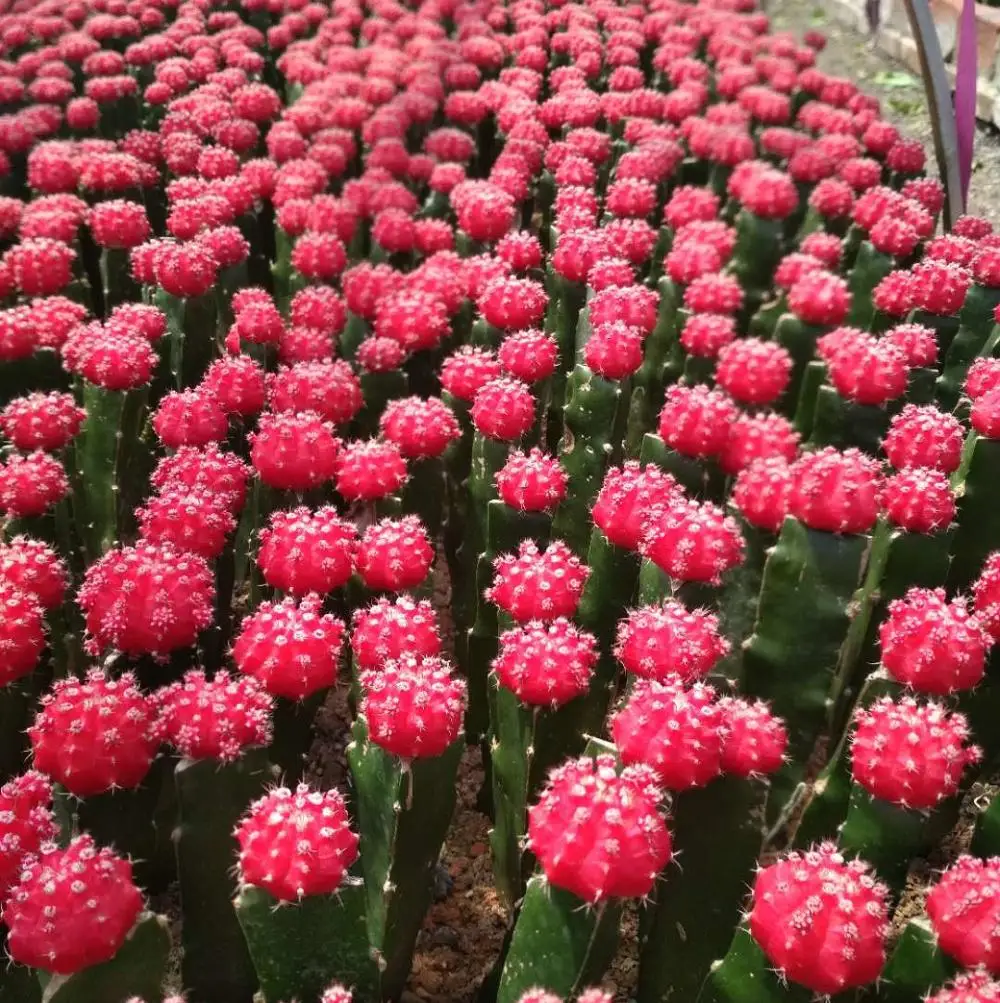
849, 54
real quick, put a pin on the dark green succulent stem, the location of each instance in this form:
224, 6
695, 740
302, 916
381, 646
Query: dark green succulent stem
211, 798
700, 478
116, 278
890, 836
293, 734
977, 335
592, 404
614, 574
897, 561
915, 969
869, 269
281, 268
299, 949
424, 492
18, 701
978, 518
649, 382
137, 970
799, 338
560, 943
107, 445
191, 338
378, 389
844, 423
765, 319
986, 833
129, 820
356, 329
803, 410
803, 617
19, 984
745, 975
403, 813
739, 597
759, 247
689, 920
829, 797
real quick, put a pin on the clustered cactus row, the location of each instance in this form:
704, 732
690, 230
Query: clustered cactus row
581, 396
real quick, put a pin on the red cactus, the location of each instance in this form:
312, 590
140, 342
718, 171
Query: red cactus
33, 568
96, 735
678, 731
614, 350
294, 452
330, 389
627, 496
597, 833
418, 427
755, 740
755, 437
753, 371
908, 753
538, 585
692, 541
919, 500
969, 987
215, 718
296, 843
931, 644
531, 482
528, 356
394, 554
820, 299
369, 470
696, 421
45, 421
147, 599
26, 823
390, 629
467, 370
706, 334
986, 596
922, 436
291, 647
503, 409
668, 640
869, 371
191, 519
822, 921
303, 551
32, 484
836, 492
209, 469
71, 908
546, 664
413, 705
963, 910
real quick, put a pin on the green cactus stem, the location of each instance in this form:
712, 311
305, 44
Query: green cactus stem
799, 338
977, 335
759, 247
566, 299
745, 975
688, 923
298, 949
17, 710
131, 821
915, 969
803, 411
648, 383
702, 479
293, 734
117, 283
844, 423
192, 335
211, 797
978, 510
378, 389
803, 617
424, 492
559, 944
526, 743
986, 833
869, 269
830, 795
890, 837
137, 970
739, 597
589, 439
403, 812
355, 331
19, 984
766, 317
109, 444
897, 562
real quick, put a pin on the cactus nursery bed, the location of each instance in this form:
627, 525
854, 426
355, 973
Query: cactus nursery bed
500, 505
